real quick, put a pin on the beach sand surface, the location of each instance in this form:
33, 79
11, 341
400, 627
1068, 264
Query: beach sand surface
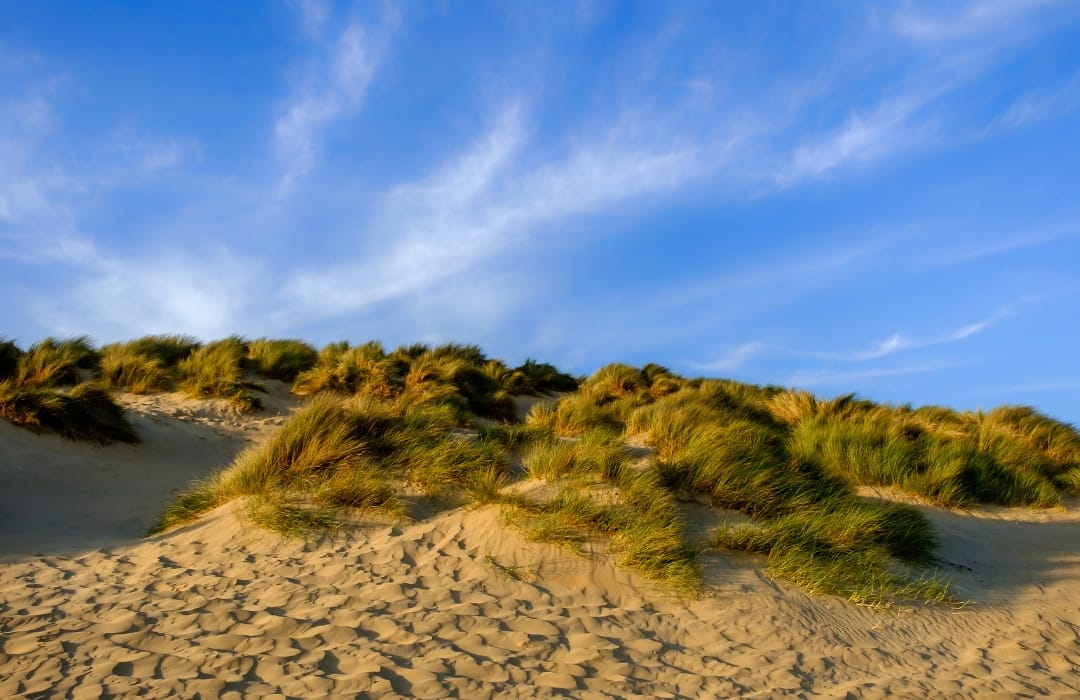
456, 605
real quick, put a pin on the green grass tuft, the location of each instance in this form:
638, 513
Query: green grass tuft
52, 363
216, 370
280, 359
126, 370
86, 413
168, 350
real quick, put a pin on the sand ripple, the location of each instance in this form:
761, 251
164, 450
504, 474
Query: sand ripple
419, 611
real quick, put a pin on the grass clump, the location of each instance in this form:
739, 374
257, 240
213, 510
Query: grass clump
280, 359
86, 413
460, 376
850, 549
215, 370
717, 439
126, 370
52, 363
355, 454
343, 369
1010, 456
532, 377
10, 353
168, 350
600, 496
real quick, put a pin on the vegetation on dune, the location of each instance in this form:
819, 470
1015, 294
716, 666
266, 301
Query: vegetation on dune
600, 494
9, 358
87, 412
145, 365
35, 393
52, 363
280, 359
460, 376
381, 429
168, 350
125, 370
356, 453
216, 370
791, 462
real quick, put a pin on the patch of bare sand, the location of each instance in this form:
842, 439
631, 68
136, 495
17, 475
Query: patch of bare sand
456, 606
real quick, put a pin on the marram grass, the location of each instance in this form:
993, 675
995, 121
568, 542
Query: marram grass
381, 427
380, 424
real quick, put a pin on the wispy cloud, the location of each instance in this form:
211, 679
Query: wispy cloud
1036, 106
733, 360
1040, 386
887, 129
1040, 235
896, 342
801, 272
738, 357
938, 22
332, 86
210, 296
845, 378
483, 203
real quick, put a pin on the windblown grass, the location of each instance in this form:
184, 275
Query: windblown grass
86, 413
380, 425
716, 439
343, 369
168, 350
124, 369
280, 359
216, 370
53, 362
601, 496
532, 377
950, 458
356, 454
460, 376
848, 549
9, 358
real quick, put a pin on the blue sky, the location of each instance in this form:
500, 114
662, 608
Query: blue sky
878, 198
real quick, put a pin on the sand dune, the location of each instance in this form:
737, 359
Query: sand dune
455, 605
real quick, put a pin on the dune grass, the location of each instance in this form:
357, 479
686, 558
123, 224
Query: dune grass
216, 370
357, 454
9, 358
600, 495
85, 413
460, 376
380, 425
166, 349
280, 359
123, 369
52, 362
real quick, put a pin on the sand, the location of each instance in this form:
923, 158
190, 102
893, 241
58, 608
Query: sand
457, 606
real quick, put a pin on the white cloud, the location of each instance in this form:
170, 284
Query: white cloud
812, 378
314, 15
1034, 107
886, 130
334, 87
897, 343
209, 296
800, 272
951, 21
733, 359
482, 204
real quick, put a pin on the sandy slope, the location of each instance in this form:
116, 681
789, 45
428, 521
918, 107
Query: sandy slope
457, 606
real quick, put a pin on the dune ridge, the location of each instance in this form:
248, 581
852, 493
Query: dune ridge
456, 605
